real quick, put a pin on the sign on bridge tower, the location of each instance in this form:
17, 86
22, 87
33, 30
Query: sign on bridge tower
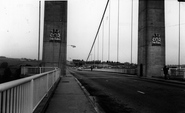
151, 38
55, 34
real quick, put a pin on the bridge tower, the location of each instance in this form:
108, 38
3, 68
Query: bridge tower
55, 34
151, 38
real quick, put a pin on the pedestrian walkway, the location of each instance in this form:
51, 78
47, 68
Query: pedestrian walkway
69, 98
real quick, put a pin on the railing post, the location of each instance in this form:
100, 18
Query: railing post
4, 102
8, 101
47, 86
11, 102
53, 75
31, 96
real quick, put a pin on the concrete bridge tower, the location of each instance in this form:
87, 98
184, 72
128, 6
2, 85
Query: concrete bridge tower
151, 38
55, 34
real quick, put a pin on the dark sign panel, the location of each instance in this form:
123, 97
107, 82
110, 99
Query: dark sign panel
156, 40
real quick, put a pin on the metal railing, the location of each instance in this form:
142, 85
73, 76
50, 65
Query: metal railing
126, 71
175, 73
24, 95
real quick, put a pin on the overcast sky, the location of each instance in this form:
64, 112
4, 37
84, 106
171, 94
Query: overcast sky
19, 29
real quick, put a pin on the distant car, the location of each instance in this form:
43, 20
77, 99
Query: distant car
79, 68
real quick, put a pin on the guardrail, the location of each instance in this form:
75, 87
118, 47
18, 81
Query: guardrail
126, 71
177, 73
24, 95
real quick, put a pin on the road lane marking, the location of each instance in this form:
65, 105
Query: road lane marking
141, 92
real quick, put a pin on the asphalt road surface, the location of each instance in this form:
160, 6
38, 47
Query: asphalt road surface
119, 93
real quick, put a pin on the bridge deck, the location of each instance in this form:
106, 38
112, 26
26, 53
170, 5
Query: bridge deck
69, 98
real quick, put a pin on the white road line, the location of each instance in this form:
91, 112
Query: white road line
141, 92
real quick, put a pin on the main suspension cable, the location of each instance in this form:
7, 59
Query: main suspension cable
98, 29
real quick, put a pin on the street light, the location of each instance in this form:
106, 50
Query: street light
73, 46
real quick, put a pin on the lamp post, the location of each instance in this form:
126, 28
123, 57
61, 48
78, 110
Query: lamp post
73, 46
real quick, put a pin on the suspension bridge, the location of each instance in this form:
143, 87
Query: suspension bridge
26, 95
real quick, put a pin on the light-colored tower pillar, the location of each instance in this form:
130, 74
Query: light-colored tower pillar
151, 38
55, 34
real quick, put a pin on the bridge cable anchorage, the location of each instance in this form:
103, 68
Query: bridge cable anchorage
98, 29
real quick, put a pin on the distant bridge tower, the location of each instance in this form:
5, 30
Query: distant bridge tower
151, 37
55, 34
